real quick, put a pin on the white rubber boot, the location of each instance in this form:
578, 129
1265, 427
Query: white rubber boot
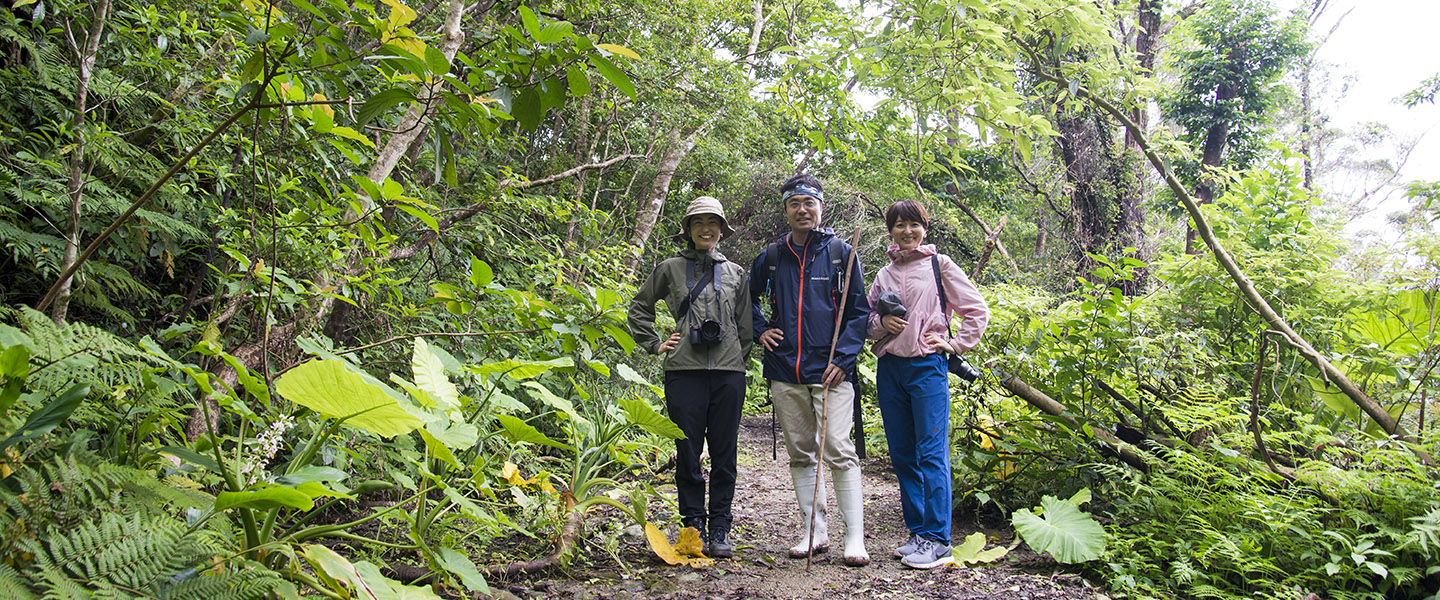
804, 479
851, 499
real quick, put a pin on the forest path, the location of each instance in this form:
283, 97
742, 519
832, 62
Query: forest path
766, 524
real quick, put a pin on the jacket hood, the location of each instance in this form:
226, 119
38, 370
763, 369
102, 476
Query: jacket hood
818, 235
693, 254
922, 251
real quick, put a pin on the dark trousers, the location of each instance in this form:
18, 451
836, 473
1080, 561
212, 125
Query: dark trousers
706, 405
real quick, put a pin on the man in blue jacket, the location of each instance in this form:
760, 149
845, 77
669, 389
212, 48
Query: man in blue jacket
798, 281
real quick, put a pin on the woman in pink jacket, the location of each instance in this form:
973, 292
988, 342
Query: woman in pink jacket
912, 339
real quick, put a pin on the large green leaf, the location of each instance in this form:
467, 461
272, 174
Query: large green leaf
1333, 398
337, 569
521, 431
629, 374
463, 567
543, 394
429, 371
264, 499
641, 414
48, 417
613, 74
522, 369
528, 109
15, 362
1066, 533
1403, 327
329, 388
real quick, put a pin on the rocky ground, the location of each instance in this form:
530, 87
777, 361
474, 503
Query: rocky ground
766, 521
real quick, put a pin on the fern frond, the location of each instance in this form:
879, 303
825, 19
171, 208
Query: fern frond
11, 586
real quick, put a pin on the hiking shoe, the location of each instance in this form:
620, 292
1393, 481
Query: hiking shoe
929, 554
720, 546
909, 547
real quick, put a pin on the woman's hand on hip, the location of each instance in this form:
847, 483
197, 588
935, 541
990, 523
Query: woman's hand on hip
935, 342
670, 344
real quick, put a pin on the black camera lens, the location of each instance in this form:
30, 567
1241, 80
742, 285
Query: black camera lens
707, 333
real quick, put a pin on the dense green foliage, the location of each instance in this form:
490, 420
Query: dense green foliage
363, 331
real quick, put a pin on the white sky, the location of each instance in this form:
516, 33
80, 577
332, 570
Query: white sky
1386, 48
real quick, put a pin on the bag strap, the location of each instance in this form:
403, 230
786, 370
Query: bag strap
940, 289
695, 287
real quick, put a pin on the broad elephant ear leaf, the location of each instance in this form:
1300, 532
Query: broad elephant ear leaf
329, 388
521, 431
1066, 533
642, 415
429, 370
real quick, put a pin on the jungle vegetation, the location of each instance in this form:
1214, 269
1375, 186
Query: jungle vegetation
326, 297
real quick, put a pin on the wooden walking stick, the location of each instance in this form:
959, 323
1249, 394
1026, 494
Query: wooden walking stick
825, 396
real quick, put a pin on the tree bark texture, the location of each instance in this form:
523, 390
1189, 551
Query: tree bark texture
654, 201
1132, 204
756, 28
1211, 155
1105, 201
75, 186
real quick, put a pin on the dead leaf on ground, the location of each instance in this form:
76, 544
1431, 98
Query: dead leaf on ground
686, 550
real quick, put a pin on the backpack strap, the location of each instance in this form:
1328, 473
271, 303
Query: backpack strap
772, 262
838, 260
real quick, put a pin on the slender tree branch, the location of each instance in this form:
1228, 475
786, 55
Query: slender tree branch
1387, 422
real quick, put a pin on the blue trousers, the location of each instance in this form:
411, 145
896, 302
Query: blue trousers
914, 398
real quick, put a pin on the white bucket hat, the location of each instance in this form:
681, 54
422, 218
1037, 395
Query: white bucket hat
704, 205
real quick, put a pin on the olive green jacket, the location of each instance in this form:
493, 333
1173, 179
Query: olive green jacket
667, 283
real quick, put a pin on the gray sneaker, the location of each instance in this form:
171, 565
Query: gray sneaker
928, 555
908, 547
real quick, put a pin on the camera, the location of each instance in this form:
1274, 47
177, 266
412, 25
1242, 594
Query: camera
707, 333
962, 369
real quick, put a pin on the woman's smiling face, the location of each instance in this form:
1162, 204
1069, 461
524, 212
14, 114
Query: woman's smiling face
705, 231
907, 234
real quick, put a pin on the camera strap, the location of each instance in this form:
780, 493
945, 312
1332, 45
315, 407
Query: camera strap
940, 289
695, 287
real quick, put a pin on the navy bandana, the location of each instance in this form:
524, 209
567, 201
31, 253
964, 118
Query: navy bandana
806, 190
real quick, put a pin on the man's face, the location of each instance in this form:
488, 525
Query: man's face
802, 213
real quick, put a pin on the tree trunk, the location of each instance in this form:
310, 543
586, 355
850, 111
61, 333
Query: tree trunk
1038, 399
1307, 137
1212, 154
1132, 203
756, 28
76, 185
654, 201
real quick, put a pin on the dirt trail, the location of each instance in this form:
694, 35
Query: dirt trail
766, 522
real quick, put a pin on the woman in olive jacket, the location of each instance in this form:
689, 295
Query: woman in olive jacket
704, 362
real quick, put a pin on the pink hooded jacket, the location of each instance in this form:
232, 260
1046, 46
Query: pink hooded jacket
910, 275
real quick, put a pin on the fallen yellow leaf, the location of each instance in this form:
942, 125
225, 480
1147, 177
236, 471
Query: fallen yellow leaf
688, 544
662, 548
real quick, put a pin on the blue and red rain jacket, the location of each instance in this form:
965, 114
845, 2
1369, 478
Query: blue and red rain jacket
802, 295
